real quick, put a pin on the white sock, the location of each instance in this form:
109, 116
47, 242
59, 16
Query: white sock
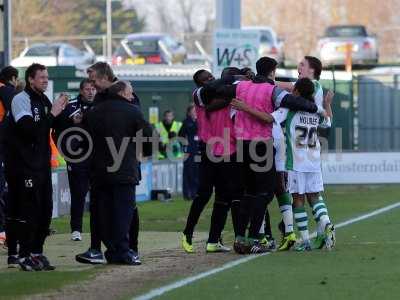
323, 221
262, 231
305, 236
287, 215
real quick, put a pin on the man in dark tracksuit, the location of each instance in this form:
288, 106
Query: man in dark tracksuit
8, 82
78, 169
27, 167
190, 166
112, 124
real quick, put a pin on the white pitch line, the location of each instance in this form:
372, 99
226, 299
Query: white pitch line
162, 290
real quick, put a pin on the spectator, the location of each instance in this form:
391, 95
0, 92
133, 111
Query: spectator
168, 129
190, 166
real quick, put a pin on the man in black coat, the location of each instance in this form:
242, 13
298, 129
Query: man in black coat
113, 124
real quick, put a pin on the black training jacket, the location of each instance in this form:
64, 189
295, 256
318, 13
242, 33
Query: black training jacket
27, 148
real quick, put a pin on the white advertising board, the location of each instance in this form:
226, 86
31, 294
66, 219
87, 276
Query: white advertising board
361, 168
235, 48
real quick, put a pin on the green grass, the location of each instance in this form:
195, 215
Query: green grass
16, 284
365, 265
343, 202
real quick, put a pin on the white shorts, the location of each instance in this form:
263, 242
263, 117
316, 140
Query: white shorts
280, 155
305, 182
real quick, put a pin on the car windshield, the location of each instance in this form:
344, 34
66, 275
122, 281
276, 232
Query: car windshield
345, 31
266, 37
143, 46
42, 51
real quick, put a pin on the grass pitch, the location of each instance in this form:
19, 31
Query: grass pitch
364, 265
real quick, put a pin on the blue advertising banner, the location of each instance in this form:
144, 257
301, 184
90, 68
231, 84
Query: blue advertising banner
143, 190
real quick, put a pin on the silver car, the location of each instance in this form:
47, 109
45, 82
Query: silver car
53, 54
333, 46
270, 44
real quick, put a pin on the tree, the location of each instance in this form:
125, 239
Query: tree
35, 18
177, 16
38, 17
89, 17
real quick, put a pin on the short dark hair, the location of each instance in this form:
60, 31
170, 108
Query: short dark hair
102, 69
265, 66
118, 87
7, 73
248, 72
32, 70
168, 111
85, 82
305, 87
230, 71
196, 77
315, 64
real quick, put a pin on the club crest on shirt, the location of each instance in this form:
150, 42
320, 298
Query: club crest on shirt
36, 116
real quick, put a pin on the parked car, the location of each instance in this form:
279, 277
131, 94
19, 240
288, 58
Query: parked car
53, 54
149, 48
332, 46
270, 44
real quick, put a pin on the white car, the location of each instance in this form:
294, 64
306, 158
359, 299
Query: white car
270, 44
54, 54
337, 40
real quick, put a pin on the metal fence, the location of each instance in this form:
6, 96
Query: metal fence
365, 107
378, 107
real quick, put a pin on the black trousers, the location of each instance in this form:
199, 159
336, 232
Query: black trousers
29, 211
228, 192
95, 230
95, 224
190, 177
259, 179
116, 204
223, 176
2, 195
205, 190
134, 231
78, 178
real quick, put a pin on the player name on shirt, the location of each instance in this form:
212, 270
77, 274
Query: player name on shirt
309, 120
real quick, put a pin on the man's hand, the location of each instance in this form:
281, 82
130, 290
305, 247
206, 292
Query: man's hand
239, 105
328, 99
59, 104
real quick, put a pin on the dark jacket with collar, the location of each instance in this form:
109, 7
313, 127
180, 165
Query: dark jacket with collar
27, 148
112, 123
189, 132
7, 92
64, 128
